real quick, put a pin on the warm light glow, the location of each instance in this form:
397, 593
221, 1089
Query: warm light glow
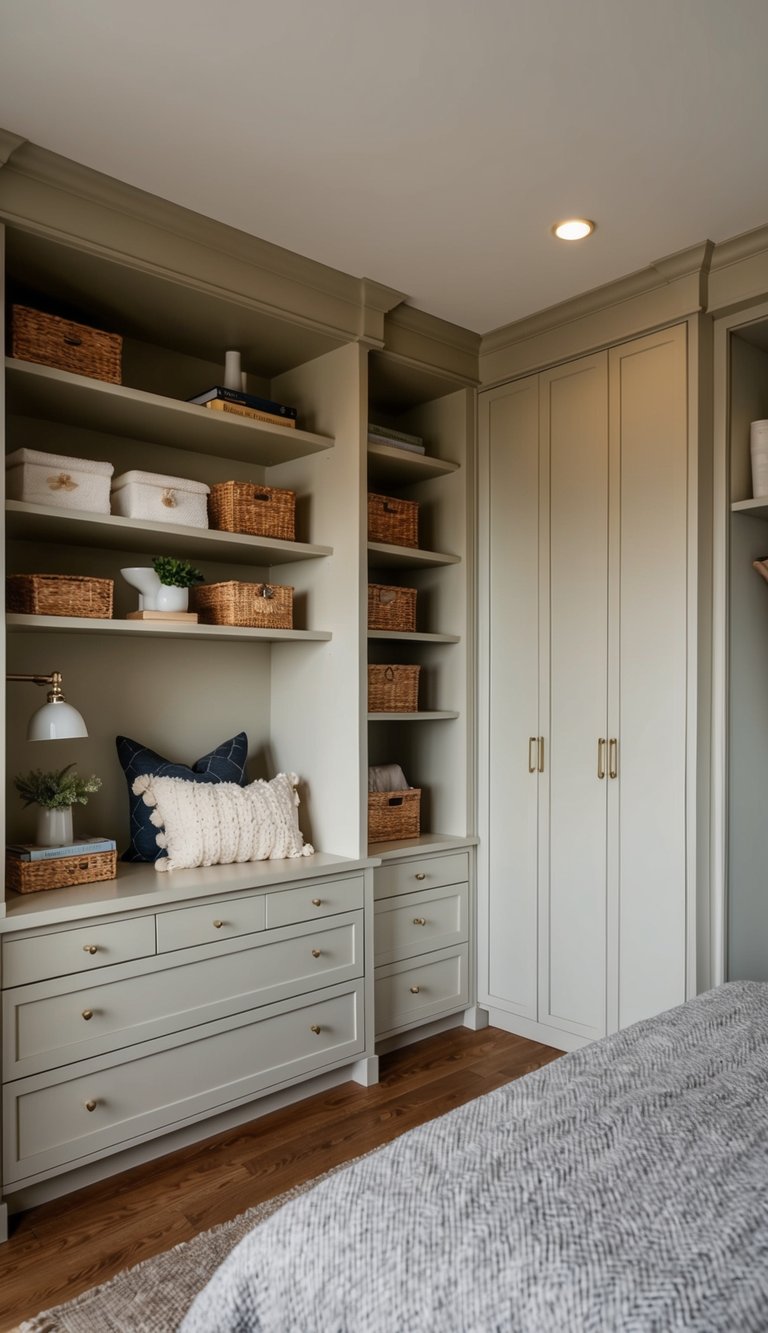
573, 229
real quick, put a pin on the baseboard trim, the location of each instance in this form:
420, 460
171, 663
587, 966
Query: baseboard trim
548, 1036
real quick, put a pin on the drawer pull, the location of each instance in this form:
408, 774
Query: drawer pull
316, 1028
315, 953
87, 1015
217, 925
419, 921
90, 948
91, 1105
317, 902
420, 875
415, 990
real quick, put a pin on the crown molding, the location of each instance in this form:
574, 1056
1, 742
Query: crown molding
9, 143
422, 339
739, 273
376, 302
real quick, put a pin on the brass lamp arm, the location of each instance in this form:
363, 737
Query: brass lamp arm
54, 680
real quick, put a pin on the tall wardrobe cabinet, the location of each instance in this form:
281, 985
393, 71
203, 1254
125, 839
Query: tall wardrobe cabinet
584, 484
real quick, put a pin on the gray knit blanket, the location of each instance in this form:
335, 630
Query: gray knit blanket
623, 1187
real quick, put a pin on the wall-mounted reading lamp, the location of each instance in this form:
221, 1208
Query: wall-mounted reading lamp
56, 720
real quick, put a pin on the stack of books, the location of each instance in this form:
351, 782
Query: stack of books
398, 439
220, 399
30, 851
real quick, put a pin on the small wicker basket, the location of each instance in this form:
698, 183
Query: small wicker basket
394, 814
393, 521
391, 608
58, 873
393, 689
261, 511
52, 341
60, 595
249, 605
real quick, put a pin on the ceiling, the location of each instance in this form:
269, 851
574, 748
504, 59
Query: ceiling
428, 144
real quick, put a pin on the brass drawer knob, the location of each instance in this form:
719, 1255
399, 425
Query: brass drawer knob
317, 902
87, 1015
90, 948
415, 990
217, 925
419, 921
421, 874
316, 1029
315, 953
91, 1105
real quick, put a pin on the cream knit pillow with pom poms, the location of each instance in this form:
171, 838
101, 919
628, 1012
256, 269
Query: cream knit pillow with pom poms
212, 824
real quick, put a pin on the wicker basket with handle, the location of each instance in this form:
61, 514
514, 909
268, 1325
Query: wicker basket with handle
59, 872
393, 689
394, 814
393, 521
391, 608
250, 605
260, 511
52, 341
60, 595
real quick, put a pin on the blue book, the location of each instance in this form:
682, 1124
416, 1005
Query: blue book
246, 400
30, 851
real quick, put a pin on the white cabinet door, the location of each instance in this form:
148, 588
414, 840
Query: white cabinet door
510, 556
649, 633
573, 621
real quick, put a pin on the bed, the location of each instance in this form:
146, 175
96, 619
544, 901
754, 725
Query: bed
622, 1187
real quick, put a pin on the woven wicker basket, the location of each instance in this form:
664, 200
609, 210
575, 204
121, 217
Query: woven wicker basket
391, 608
261, 511
252, 605
60, 595
393, 521
51, 341
35, 876
394, 814
393, 689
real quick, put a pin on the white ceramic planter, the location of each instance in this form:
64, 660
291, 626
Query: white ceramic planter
168, 598
54, 827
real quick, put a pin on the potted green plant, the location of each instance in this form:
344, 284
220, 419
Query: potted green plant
54, 794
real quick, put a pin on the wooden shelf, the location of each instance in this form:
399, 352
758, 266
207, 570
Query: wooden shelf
74, 527
398, 467
435, 716
159, 629
55, 395
412, 636
752, 508
383, 556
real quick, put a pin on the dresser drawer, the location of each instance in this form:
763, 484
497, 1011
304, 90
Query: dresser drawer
220, 920
84, 949
416, 923
55, 1022
311, 901
424, 872
55, 1121
413, 992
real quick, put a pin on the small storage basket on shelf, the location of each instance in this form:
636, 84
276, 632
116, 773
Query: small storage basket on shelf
393, 521
393, 689
260, 511
394, 814
60, 872
58, 481
391, 608
249, 605
59, 595
161, 499
65, 345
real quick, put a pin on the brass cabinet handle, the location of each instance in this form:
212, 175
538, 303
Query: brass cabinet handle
317, 902
541, 754
419, 921
91, 1105
217, 925
87, 1015
415, 990
315, 953
613, 757
532, 743
421, 874
601, 757
316, 1029
90, 948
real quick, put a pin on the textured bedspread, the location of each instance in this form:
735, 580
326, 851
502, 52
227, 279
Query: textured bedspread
623, 1187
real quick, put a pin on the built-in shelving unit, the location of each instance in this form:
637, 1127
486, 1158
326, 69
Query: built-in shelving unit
443, 715
383, 556
412, 636
396, 467
752, 508
159, 629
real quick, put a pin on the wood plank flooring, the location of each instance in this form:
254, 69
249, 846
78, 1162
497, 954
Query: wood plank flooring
73, 1243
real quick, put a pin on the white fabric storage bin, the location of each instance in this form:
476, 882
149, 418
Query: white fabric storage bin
54, 479
164, 499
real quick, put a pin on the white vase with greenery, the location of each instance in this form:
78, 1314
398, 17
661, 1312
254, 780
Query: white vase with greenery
55, 794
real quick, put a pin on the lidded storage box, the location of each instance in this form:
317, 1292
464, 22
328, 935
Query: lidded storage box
65, 345
260, 511
393, 521
391, 608
54, 479
249, 605
162, 499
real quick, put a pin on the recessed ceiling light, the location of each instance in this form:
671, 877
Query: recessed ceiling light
573, 229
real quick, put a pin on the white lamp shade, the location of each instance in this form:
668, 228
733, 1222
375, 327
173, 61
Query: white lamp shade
57, 721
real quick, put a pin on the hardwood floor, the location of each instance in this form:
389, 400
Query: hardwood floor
66, 1246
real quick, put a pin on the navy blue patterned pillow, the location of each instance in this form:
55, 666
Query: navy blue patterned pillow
224, 764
